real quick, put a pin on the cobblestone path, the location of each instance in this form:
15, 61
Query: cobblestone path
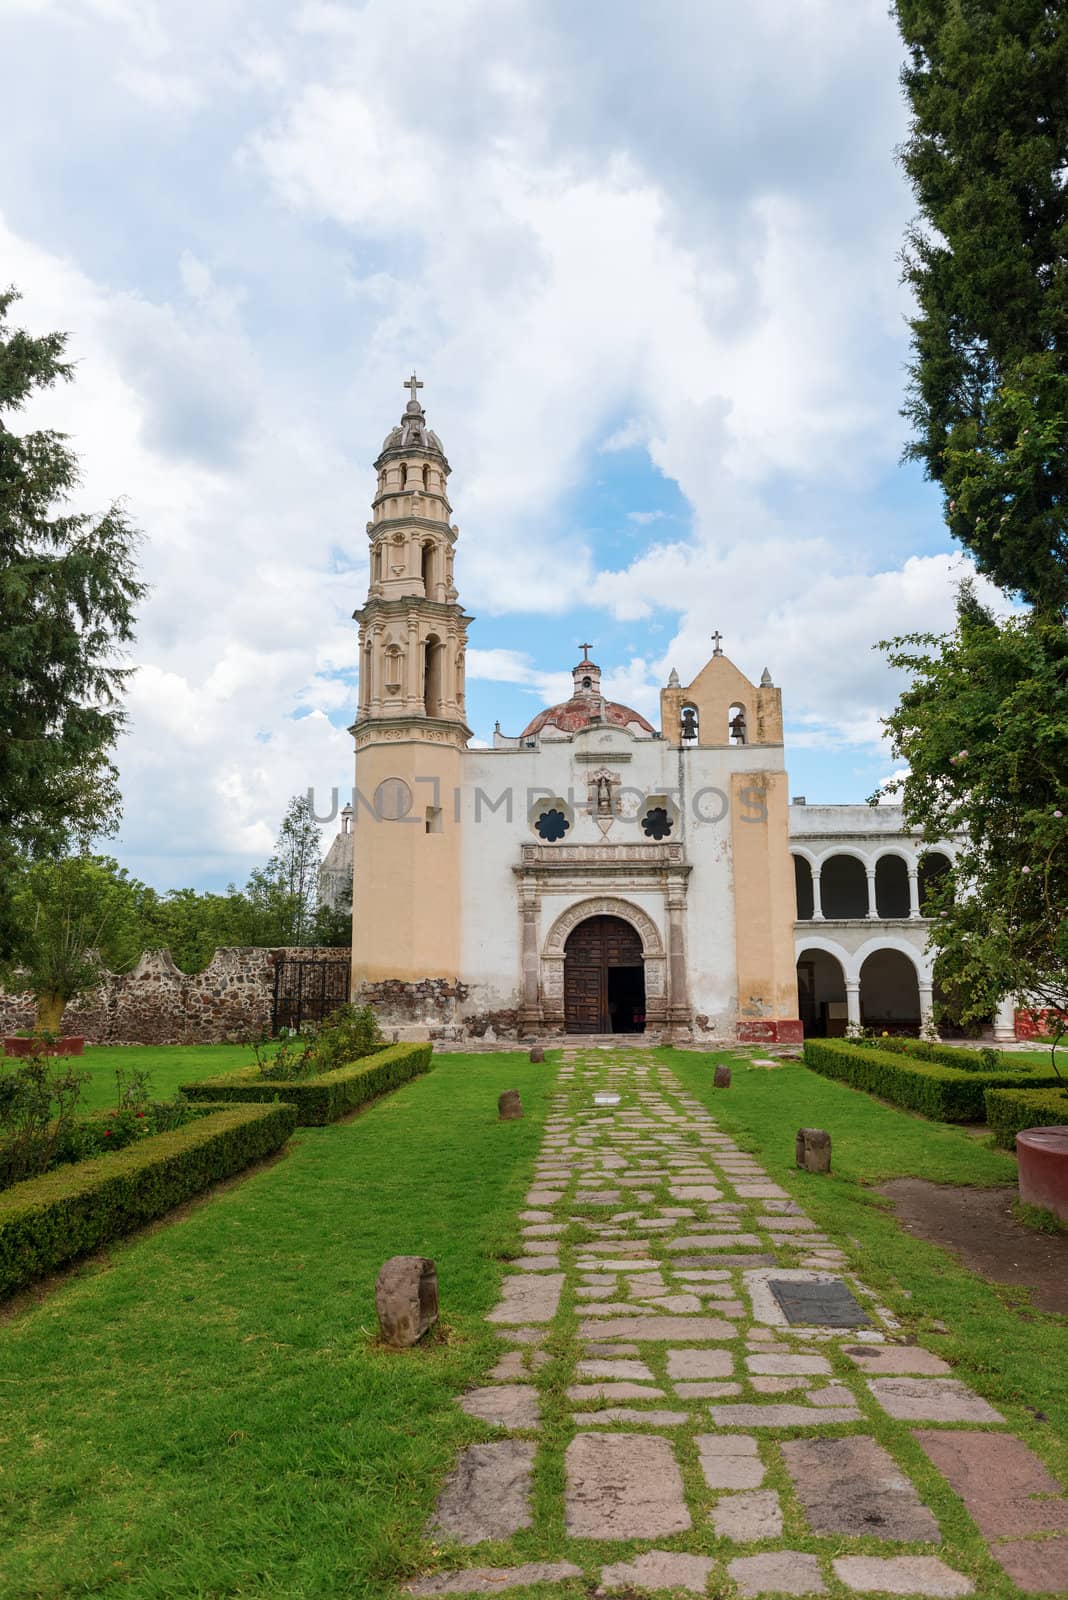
655, 1414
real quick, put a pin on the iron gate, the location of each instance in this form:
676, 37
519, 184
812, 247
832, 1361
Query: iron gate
307, 991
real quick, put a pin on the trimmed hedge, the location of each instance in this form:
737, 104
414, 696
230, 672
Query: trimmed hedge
1009, 1111
959, 1058
945, 1094
48, 1221
329, 1095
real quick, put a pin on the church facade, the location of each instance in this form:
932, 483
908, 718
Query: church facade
595, 874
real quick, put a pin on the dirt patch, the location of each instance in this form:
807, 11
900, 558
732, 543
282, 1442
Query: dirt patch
978, 1226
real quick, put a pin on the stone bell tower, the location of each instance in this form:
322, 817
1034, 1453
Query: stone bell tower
410, 730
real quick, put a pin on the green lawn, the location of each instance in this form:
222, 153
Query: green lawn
168, 1065
205, 1412
1015, 1355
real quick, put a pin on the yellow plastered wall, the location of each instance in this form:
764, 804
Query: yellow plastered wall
406, 880
765, 906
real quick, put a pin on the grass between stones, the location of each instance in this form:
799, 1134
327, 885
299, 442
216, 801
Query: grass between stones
204, 1412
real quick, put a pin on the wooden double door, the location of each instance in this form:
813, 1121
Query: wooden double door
604, 978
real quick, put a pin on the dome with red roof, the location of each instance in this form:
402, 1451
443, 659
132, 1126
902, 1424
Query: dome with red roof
587, 708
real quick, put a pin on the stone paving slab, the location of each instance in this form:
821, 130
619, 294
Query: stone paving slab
505, 1405
623, 1486
854, 1486
700, 1363
1035, 1567
896, 1360
777, 1572
614, 1391
911, 1575
494, 1580
747, 1517
931, 1400
679, 1330
528, 1297
781, 1416
650, 1418
660, 1569
730, 1461
487, 1493
636, 1371
996, 1477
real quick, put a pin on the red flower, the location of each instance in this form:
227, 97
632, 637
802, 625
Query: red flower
107, 1133
140, 1113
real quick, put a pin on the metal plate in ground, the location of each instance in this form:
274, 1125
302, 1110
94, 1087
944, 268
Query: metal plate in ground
605, 1097
826, 1305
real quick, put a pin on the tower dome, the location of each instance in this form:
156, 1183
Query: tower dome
587, 708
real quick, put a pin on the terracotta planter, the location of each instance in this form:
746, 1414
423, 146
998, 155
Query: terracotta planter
71, 1045
1042, 1154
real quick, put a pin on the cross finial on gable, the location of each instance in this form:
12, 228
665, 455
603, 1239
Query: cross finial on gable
717, 640
412, 384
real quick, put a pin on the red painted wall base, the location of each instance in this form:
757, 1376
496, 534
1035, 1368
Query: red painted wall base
71, 1045
770, 1030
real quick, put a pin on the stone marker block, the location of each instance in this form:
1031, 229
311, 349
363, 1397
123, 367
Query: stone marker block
537, 1053
623, 1486
509, 1106
813, 1149
721, 1078
406, 1299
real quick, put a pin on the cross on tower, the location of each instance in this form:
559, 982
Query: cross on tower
412, 384
585, 648
717, 640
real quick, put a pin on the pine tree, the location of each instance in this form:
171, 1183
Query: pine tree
68, 588
987, 155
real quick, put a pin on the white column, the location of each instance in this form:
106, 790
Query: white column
1005, 1022
914, 893
873, 908
853, 1002
817, 903
926, 1007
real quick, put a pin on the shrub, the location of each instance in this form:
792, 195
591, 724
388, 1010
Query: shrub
328, 1095
48, 1221
1009, 1111
945, 1055
942, 1093
37, 1102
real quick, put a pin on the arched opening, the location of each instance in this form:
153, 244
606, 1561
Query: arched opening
432, 676
891, 887
806, 900
737, 728
948, 999
934, 869
427, 568
426, 477
689, 724
890, 993
404, 474
821, 994
604, 978
377, 565
844, 888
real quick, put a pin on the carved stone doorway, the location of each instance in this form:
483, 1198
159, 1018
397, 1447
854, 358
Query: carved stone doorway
604, 978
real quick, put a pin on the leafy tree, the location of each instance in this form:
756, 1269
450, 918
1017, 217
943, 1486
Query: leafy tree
988, 262
68, 589
984, 730
78, 918
294, 867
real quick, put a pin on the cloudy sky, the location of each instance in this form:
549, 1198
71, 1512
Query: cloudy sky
643, 255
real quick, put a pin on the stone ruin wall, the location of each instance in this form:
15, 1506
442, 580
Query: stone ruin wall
158, 1003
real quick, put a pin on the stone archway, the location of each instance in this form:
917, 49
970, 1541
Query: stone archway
604, 978
645, 931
